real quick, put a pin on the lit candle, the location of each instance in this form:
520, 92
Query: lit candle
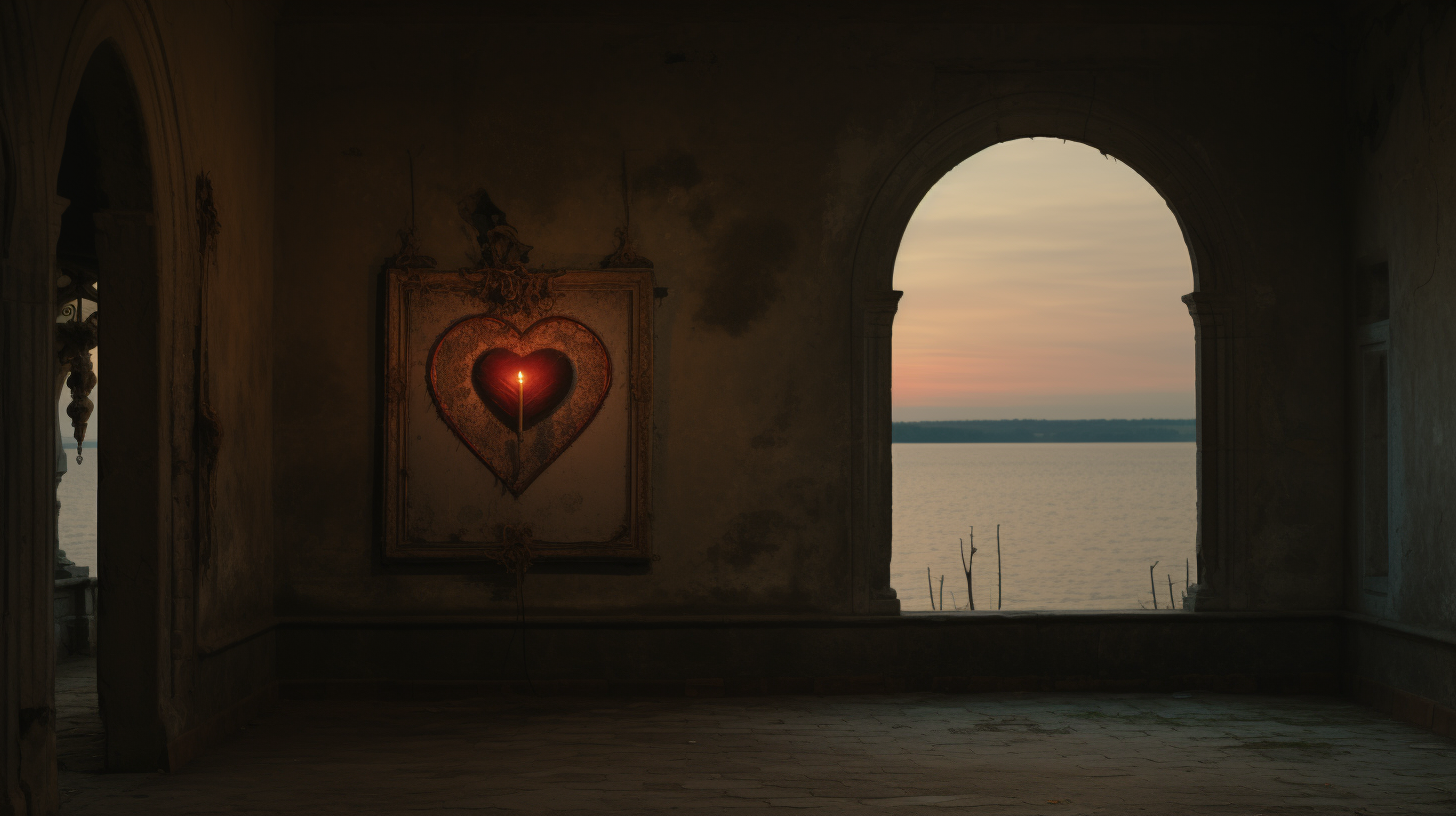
521, 392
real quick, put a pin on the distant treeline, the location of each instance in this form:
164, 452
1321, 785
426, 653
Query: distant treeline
1046, 430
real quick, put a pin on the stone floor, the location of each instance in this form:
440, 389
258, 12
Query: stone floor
79, 742
904, 754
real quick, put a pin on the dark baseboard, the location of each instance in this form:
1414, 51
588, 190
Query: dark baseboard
1403, 705
1306, 683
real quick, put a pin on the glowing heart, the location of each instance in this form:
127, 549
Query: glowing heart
518, 399
521, 390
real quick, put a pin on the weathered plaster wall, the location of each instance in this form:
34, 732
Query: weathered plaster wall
175, 666
1405, 198
756, 140
222, 58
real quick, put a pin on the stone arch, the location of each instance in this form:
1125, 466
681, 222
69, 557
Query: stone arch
1215, 241
127, 30
115, 81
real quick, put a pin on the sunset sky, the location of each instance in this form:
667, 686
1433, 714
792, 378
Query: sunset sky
1042, 281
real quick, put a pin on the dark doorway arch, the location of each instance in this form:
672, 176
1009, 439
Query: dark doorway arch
107, 232
1214, 240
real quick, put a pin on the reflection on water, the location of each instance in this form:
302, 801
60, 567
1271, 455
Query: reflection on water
1080, 522
77, 495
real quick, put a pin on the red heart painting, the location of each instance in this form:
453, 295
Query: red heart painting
521, 390
518, 399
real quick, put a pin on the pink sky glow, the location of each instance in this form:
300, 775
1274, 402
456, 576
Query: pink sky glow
1042, 280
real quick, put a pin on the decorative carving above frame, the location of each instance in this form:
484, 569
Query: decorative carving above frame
459, 481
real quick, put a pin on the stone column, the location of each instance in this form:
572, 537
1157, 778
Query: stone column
873, 594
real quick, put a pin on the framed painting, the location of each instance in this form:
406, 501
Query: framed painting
519, 410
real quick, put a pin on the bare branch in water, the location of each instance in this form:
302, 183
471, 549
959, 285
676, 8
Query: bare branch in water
966, 566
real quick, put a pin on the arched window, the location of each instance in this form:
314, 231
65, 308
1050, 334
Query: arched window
1043, 380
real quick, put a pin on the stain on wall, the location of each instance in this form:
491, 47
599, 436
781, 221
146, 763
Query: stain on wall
777, 433
674, 170
752, 535
749, 260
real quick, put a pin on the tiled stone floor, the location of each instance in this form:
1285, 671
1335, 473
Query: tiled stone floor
903, 754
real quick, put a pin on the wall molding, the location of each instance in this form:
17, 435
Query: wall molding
1403, 705
989, 618
1418, 632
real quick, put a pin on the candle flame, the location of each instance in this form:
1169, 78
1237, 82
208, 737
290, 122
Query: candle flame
521, 377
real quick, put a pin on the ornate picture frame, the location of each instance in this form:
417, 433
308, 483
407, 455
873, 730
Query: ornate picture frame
518, 413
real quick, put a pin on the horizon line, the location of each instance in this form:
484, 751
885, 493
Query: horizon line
1034, 419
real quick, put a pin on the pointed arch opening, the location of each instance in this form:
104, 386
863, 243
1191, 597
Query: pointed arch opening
106, 246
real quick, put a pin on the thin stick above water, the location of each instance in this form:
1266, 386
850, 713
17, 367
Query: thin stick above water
931, 584
998, 566
966, 565
1151, 580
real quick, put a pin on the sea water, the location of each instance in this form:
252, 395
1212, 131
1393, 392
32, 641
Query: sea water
77, 495
1080, 523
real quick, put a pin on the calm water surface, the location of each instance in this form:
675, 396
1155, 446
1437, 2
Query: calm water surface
77, 495
1080, 522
